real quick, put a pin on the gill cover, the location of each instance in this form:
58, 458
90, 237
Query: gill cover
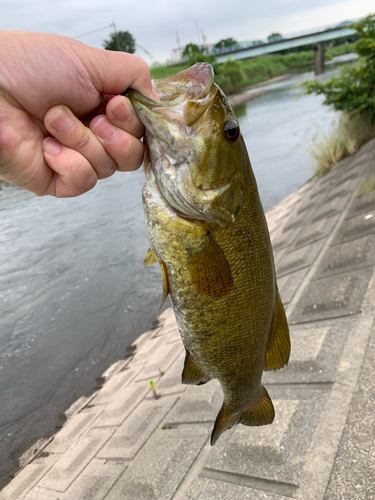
195, 146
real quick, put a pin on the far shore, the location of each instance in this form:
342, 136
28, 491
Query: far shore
245, 95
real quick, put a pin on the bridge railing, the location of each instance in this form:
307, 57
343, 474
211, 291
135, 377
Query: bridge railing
211, 49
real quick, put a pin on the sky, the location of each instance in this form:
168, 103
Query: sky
154, 23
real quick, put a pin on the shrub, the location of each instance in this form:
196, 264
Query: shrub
233, 72
354, 90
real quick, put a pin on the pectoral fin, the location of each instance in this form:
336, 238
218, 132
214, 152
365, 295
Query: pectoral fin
192, 373
150, 258
210, 269
262, 413
278, 344
164, 275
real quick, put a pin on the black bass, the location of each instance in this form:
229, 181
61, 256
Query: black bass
208, 232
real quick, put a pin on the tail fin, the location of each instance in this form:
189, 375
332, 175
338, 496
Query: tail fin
262, 413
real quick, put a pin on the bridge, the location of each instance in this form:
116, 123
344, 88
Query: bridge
247, 50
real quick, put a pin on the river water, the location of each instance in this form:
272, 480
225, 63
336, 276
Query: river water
73, 292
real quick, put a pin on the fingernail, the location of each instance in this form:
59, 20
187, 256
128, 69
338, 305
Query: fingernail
122, 112
51, 146
156, 96
104, 129
62, 122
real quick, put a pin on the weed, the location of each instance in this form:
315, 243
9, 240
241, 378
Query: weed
366, 187
152, 386
345, 138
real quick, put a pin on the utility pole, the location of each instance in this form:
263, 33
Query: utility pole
197, 28
113, 24
179, 51
203, 41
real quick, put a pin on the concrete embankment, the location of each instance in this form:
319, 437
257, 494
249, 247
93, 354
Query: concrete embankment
121, 443
249, 93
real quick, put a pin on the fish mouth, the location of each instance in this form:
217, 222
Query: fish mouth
194, 83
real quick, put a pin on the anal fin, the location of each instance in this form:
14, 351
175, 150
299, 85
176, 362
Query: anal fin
192, 373
262, 413
278, 344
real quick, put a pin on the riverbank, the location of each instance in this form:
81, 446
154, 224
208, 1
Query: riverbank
247, 93
120, 442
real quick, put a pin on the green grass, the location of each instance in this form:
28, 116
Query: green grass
164, 71
345, 138
339, 50
366, 187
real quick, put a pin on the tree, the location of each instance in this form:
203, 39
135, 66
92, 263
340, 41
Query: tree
190, 48
196, 57
274, 37
225, 42
122, 41
354, 90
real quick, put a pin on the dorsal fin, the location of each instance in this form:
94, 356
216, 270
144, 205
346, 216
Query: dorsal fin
278, 344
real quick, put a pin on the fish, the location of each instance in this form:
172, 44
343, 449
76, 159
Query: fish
208, 232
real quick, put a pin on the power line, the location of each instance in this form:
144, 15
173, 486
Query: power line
113, 26
93, 31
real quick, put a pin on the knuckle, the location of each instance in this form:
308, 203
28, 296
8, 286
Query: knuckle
107, 170
82, 139
132, 160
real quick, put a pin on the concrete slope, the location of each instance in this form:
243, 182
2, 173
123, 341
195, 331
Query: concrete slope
123, 444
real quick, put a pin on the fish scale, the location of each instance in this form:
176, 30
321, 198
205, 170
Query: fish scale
212, 244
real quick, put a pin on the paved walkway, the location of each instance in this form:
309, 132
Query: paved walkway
122, 444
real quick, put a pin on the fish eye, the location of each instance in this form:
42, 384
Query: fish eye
231, 131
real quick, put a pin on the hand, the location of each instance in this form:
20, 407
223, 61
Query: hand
50, 88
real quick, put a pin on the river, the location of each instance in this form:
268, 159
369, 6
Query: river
73, 290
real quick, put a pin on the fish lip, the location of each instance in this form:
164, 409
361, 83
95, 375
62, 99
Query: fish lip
134, 95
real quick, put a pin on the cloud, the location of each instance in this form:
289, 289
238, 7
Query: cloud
154, 24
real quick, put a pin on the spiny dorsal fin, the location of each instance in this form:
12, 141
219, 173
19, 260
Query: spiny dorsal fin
210, 269
262, 413
164, 275
150, 258
192, 373
278, 344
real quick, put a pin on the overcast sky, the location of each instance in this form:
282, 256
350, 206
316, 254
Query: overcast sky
154, 23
